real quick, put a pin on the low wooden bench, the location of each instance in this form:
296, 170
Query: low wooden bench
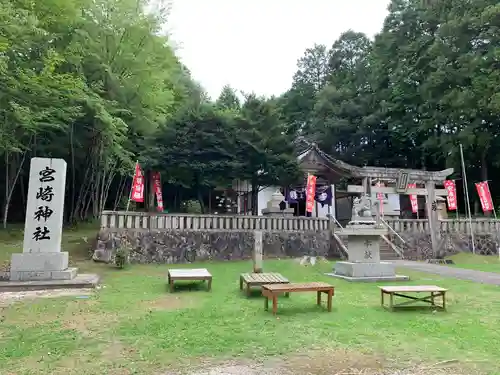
193, 274
272, 291
402, 291
258, 279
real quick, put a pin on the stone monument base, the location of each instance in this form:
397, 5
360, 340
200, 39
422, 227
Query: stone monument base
367, 271
79, 282
41, 266
44, 270
276, 211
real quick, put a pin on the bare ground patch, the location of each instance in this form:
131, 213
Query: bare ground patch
329, 362
117, 350
344, 362
83, 315
89, 323
110, 358
170, 302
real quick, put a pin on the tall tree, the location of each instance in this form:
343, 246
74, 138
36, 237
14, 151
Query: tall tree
228, 99
265, 148
311, 76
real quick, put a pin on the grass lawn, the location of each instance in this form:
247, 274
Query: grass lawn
134, 326
490, 263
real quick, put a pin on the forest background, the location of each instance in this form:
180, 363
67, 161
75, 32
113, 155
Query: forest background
97, 83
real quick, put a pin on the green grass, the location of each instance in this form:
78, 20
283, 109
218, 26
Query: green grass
490, 263
134, 326
77, 240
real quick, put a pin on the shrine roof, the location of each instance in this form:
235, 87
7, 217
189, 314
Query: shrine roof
315, 161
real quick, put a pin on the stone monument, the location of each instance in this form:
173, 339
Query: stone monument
42, 258
257, 254
273, 206
363, 246
441, 208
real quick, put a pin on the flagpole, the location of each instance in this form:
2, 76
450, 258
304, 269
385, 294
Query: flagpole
466, 192
496, 223
496, 229
131, 186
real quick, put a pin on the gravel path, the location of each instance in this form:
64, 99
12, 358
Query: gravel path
457, 273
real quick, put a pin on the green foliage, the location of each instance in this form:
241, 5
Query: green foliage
192, 207
122, 257
97, 83
428, 82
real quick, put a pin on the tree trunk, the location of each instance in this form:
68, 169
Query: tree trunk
152, 192
119, 192
199, 192
73, 175
10, 184
255, 193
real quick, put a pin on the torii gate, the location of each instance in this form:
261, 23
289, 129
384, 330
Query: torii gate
403, 178
314, 161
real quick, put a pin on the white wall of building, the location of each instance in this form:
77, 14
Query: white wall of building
322, 211
391, 204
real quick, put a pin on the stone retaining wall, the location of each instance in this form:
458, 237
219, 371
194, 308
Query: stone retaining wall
185, 246
174, 246
419, 247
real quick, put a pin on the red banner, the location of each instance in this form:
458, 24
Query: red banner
484, 196
157, 186
450, 187
380, 197
137, 193
310, 191
413, 198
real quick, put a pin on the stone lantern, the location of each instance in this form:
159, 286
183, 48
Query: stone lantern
273, 206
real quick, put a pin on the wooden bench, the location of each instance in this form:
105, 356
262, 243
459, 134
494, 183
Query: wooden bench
402, 291
259, 279
272, 291
194, 274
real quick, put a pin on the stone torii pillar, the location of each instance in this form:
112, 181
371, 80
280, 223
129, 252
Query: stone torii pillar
257, 252
431, 206
430, 192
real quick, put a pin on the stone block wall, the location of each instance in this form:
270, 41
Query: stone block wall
174, 246
419, 247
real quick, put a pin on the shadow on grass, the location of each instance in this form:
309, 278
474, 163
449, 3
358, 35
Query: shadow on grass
188, 286
255, 293
290, 311
423, 309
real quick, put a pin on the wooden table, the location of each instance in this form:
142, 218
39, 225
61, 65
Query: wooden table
433, 291
259, 279
194, 274
272, 291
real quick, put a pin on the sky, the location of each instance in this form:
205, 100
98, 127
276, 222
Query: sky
253, 45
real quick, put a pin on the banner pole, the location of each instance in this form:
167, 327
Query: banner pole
418, 208
496, 230
466, 192
132, 186
496, 222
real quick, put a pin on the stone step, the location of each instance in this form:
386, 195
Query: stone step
386, 252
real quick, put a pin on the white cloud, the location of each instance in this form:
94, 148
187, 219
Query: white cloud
253, 45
